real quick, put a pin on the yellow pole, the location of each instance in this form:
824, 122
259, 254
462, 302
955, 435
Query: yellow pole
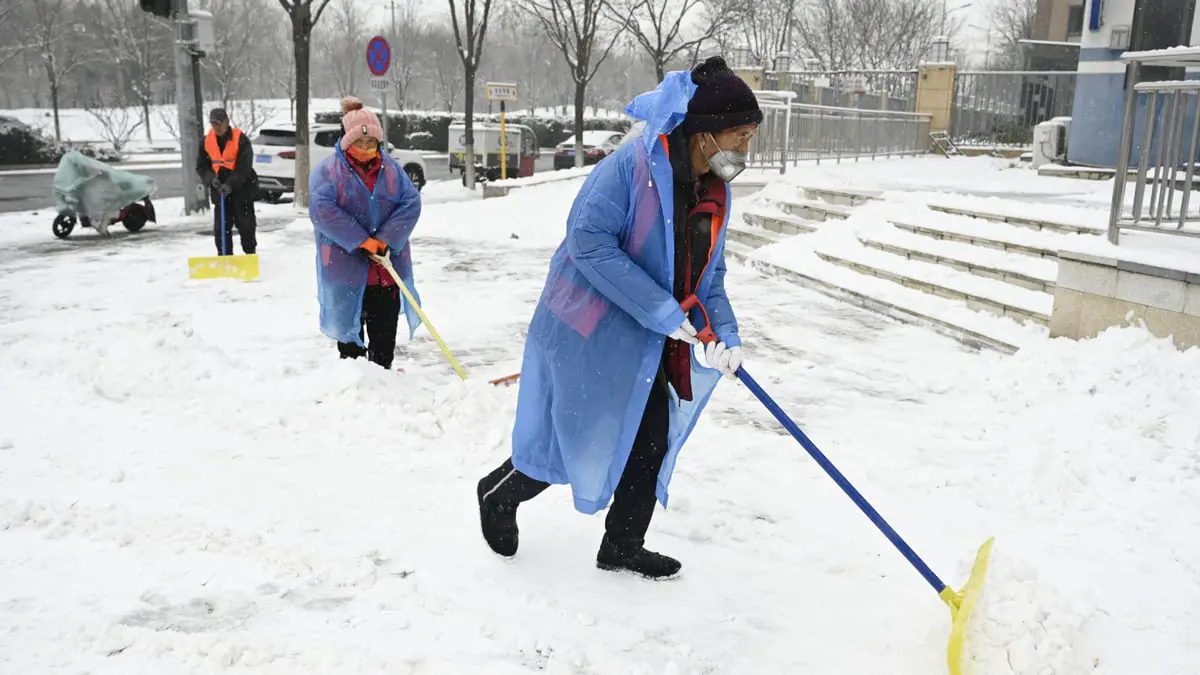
387, 264
503, 146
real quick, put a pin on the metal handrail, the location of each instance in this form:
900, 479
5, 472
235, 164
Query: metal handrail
1172, 109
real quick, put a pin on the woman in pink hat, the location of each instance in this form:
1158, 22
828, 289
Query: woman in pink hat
362, 203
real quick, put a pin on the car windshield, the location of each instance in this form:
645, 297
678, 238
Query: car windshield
275, 137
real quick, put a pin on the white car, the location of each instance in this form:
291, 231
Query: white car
275, 157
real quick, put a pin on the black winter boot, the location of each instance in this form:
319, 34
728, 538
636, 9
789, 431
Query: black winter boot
498, 521
633, 557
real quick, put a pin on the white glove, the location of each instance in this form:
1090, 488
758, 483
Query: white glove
722, 358
686, 333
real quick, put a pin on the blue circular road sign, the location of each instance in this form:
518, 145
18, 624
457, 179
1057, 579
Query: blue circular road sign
379, 56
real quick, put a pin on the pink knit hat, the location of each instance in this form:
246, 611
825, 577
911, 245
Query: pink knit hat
358, 122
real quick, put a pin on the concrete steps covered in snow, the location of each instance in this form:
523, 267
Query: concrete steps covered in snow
1028, 223
980, 294
1036, 274
839, 197
776, 221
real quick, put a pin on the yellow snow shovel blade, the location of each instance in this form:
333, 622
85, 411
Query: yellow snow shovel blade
387, 265
962, 603
244, 267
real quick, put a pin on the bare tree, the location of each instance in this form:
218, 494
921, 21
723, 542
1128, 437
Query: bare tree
303, 19
1012, 21
280, 63
867, 34
55, 38
249, 116
117, 124
767, 27
12, 30
469, 38
135, 39
577, 28
659, 25
408, 57
341, 43
238, 51
447, 68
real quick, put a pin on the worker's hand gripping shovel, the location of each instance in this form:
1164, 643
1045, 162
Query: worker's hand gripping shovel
961, 602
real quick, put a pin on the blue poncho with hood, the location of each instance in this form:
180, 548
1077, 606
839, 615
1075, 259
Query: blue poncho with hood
596, 338
344, 214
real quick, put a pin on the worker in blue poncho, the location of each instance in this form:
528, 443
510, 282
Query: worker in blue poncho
610, 388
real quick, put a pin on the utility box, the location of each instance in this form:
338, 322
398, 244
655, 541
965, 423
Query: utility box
198, 33
1050, 141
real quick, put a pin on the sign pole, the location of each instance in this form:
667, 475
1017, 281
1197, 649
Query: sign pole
383, 100
501, 92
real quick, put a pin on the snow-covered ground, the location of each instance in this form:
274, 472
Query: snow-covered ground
191, 481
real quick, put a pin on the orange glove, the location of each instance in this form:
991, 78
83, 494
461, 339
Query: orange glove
374, 246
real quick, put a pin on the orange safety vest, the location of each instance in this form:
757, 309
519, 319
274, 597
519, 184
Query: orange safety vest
223, 160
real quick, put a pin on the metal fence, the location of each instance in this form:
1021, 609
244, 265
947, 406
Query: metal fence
792, 132
1001, 108
1166, 161
894, 90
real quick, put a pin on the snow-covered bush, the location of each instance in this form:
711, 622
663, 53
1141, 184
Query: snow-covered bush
421, 140
22, 144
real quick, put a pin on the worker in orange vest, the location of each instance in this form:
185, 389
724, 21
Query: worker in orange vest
226, 166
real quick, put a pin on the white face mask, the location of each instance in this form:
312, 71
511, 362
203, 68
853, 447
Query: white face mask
726, 164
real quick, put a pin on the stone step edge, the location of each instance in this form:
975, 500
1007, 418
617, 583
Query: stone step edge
986, 242
966, 336
763, 236
786, 205
843, 194
987, 271
991, 305
782, 219
1029, 223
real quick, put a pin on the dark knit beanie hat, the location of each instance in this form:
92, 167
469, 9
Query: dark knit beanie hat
722, 100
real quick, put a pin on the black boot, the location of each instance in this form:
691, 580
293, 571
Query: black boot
498, 521
633, 557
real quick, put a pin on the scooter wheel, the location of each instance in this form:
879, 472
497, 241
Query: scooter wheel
64, 223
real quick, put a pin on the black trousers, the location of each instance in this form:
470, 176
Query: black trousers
239, 212
633, 502
380, 316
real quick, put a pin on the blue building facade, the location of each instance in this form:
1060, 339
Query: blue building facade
1101, 75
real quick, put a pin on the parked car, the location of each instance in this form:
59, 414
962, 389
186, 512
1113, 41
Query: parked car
596, 146
275, 157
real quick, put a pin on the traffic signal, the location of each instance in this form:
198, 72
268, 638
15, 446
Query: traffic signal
157, 7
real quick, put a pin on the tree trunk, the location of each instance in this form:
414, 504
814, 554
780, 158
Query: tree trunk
660, 66
469, 123
146, 116
54, 102
301, 33
580, 94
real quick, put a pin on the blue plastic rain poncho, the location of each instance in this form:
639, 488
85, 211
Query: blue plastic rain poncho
344, 214
596, 338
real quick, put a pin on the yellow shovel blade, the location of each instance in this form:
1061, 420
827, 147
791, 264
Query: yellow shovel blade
962, 603
244, 267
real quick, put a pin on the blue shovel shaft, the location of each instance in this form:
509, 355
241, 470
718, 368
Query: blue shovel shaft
838, 478
224, 232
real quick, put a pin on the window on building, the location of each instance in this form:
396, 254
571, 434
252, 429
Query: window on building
1158, 24
1075, 18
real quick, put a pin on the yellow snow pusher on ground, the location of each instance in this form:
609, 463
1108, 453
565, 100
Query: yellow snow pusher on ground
244, 267
962, 602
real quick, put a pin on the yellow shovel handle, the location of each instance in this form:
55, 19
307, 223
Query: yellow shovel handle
387, 264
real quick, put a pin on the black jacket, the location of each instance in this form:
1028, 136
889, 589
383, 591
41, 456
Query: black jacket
242, 179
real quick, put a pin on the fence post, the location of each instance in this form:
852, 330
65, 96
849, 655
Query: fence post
935, 93
787, 134
1118, 199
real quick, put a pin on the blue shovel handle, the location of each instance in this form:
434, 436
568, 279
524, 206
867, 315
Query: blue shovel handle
838, 478
224, 232
706, 336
